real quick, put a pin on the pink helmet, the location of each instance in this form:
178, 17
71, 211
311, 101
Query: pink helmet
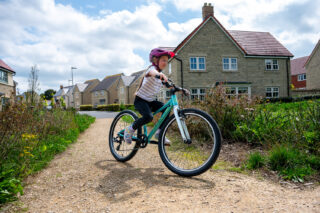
158, 52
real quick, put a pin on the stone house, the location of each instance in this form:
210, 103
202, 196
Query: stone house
78, 94
86, 98
128, 86
7, 84
66, 94
299, 73
245, 62
106, 91
313, 69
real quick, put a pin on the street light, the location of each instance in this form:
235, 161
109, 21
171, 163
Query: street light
73, 68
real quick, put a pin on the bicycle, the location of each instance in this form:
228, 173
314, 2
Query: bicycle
191, 153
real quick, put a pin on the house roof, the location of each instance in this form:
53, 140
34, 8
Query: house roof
249, 42
5, 66
107, 82
259, 43
127, 80
62, 91
297, 65
81, 86
90, 82
313, 52
137, 75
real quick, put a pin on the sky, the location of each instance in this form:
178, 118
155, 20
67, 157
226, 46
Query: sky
106, 37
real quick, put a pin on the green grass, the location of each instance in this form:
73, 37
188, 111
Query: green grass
16, 167
255, 161
290, 163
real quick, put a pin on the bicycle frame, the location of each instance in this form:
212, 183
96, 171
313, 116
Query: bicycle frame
171, 104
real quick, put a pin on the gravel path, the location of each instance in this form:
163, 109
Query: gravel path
86, 178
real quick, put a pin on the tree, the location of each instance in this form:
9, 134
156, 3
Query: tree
33, 85
48, 94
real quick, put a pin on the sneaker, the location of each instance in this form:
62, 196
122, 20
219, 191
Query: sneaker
128, 132
166, 140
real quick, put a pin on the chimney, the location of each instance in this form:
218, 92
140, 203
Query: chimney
61, 86
207, 10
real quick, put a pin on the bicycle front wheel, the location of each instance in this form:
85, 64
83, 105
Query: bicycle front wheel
197, 155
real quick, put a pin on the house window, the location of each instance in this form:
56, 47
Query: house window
3, 76
121, 90
102, 101
237, 91
197, 63
272, 92
272, 64
170, 70
96, 93
102, 92
198, 93
302, 77
230, 64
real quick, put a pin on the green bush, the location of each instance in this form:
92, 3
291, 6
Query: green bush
86, 107
255, 161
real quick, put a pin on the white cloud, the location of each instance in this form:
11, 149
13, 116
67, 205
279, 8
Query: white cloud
288, 25
56, 36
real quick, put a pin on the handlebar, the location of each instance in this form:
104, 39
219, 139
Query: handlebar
170, 84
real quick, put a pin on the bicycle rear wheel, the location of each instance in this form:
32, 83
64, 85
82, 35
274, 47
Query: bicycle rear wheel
120, 150
196, 156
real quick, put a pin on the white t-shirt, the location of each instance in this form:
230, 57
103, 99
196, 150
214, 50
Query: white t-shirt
150, 86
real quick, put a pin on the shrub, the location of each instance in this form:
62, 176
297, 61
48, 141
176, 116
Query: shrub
227, 111
86, 107
255, 161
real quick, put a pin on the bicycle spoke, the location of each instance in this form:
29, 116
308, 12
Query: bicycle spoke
190, 156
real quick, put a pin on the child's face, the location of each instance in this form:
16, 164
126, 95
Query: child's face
163, 62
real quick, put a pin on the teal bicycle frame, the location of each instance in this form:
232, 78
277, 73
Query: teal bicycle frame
171, 104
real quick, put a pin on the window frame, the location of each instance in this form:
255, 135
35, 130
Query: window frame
304, 77
4, 76
197, 63
229, 64
272, 92
272, 64
236, 90
200, 95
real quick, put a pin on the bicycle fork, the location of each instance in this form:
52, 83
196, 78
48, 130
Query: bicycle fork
182, 126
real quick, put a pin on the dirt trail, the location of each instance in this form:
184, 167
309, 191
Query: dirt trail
86, 178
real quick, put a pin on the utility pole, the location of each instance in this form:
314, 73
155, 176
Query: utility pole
73, 68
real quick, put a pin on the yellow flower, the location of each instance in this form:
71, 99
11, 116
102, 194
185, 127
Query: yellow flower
21, 155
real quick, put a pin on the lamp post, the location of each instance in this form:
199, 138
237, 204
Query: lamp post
73, 68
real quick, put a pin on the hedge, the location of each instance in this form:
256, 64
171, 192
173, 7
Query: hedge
291, 99
86, 107
109, 107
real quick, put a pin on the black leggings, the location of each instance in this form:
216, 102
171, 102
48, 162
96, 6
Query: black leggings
145, 108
